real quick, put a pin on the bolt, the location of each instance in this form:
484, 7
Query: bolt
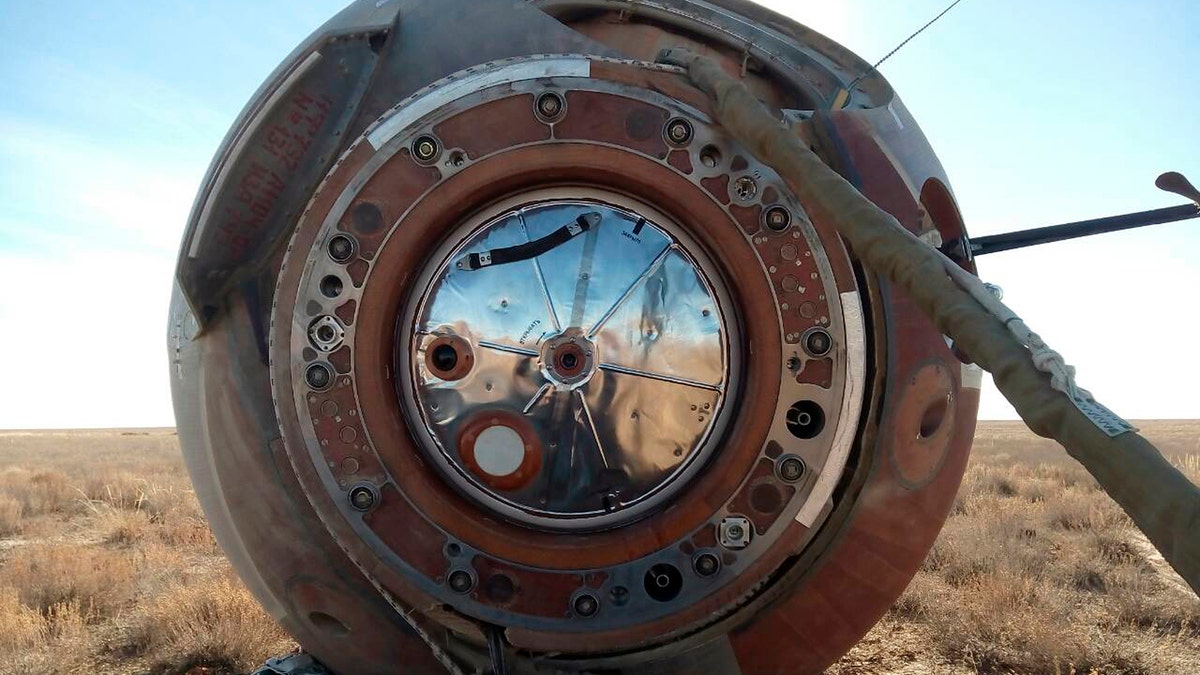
586, 605
818, 342
425, 148
362, 497
679, 131
550, 105
706, 564
460, 581
746, 188
777, 218
790, 468
318, 376
341, 248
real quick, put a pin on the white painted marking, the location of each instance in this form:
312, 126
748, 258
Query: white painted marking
852, 400
450, 91
499, 451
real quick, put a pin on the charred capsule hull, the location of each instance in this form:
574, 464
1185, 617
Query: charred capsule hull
498, 339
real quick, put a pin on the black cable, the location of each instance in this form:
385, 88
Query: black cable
495, 641
532, 249
900, 46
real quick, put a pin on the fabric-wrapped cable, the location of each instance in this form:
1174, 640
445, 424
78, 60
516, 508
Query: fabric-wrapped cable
1162, 502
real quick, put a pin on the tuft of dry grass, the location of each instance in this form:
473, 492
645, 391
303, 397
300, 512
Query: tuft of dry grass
1038, 571
107, 565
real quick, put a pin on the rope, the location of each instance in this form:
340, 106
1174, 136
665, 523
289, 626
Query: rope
900, 46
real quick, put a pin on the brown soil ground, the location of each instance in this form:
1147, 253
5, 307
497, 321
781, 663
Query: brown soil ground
107, 566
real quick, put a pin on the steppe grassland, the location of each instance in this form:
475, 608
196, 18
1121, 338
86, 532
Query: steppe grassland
107, 565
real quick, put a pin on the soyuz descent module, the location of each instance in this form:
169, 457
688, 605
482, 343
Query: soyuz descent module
492, 349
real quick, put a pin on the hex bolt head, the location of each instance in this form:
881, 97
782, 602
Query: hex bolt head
460, 581
790, 468
679, 131
362, 497
777, 218
706, 564
425, 148
586, 605
318, 376
550, 105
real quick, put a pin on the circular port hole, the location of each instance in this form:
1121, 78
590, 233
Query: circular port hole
805, 419
663, 582
331, 286
934, 416
710, 156
818, 342
706, 564
318, 376
426, 149
328, 623
341, 248
550, 106
445, 357
777, 218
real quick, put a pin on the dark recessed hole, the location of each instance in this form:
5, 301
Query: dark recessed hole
453, 550
569, 361
710, 156
328, 624
805, 419
326, 333
663, 582
934, 415
765, 498
500, 588
445, 357
331, 286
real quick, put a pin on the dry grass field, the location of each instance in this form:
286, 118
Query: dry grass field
107, 566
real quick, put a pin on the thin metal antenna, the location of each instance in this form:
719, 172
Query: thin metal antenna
900, 46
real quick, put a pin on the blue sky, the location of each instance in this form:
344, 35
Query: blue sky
1041, 112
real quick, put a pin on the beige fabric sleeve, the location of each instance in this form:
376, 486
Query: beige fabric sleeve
1163, 503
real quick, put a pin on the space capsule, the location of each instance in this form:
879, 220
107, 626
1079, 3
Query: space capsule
492, 350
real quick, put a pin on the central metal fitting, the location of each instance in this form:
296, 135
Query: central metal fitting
569, 360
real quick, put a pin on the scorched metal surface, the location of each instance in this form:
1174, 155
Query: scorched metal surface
490, 346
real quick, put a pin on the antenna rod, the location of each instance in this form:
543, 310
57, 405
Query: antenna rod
1172, 181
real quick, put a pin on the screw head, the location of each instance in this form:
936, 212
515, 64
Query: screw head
362, 497
318, 376
679, 131
790, 468
777, 218
586, 605
460, 581
425, 148
706, 564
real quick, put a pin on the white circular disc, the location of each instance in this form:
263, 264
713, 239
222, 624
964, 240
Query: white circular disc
499, 450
